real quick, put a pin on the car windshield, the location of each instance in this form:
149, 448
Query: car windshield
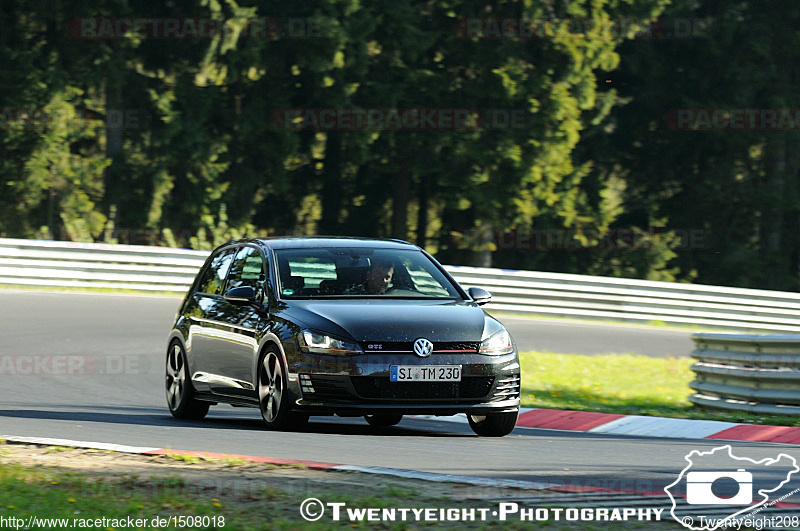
360, 273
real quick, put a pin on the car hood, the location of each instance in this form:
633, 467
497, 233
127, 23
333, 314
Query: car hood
392, 320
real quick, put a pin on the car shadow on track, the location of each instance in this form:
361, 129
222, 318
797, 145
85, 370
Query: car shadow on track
331, 426
141, 416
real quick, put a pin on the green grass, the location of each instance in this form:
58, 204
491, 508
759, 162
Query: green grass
235, 461
56, 449
190, 459
627, 384
53, 493
50, 493
393, 491
27, 491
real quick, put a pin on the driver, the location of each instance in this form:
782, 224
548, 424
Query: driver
379, 277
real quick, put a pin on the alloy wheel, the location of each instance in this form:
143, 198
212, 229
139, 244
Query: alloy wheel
270, 388
176, 376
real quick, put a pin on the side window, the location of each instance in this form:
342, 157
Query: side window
214, 276
247, 269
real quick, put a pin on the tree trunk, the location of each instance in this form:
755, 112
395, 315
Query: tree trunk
400, 196
791, 225
114, 125
115, 189
772, 210
423, 198
331, 199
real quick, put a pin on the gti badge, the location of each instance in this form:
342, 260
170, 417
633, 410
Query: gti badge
423, 347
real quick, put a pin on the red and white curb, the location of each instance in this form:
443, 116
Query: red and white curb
614, 424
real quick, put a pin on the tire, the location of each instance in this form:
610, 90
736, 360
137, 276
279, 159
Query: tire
273, 394
180, 393
383, 420
495, 425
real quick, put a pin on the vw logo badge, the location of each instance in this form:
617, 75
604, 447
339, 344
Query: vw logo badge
423, 347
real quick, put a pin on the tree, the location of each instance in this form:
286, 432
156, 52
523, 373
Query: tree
736, 184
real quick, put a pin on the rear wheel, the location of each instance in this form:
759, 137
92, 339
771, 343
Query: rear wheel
273, 395
494, 425
383, 420
180, 393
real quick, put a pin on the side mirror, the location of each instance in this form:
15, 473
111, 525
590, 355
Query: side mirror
241, 295
480, 296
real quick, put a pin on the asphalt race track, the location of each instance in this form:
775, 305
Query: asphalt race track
121, 400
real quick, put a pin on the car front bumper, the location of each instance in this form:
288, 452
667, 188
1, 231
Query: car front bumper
360, 385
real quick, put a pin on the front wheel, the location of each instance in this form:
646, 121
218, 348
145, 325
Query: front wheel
180, 393
383, 420
494, 425
273, 395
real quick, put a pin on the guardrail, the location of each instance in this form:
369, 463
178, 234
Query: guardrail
743, 372
623, 299
92, 265
84, 265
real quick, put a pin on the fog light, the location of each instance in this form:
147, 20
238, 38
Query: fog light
305, 384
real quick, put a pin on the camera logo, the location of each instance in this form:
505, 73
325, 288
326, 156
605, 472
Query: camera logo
717, 489
700, 487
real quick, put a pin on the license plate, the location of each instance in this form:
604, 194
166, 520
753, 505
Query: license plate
425, 373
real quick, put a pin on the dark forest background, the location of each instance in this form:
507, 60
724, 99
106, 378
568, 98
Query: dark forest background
612, 168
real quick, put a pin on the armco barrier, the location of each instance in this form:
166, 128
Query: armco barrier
84, 265
80, 265
744, 372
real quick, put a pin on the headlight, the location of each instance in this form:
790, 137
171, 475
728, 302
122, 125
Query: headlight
497, 344
325, 344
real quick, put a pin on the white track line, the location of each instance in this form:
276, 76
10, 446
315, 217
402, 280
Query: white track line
449, 478
79, 444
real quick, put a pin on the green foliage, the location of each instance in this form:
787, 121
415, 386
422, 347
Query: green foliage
205, 152
736, 186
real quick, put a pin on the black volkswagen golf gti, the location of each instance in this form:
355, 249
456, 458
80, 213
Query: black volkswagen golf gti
344, 326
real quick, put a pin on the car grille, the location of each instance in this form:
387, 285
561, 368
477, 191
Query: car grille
382, 388
408, 346
507, 387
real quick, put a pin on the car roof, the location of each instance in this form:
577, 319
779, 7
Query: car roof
299, 242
